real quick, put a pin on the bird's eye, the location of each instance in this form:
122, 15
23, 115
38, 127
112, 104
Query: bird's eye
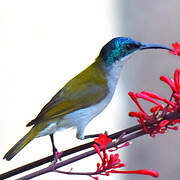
131, 46
128, 46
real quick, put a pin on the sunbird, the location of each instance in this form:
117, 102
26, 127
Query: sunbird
84, 96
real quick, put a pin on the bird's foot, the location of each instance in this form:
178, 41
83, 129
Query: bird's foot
57, 156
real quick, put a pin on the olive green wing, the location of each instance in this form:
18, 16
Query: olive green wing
84, 90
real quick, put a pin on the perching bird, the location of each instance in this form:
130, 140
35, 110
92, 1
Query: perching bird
85, 96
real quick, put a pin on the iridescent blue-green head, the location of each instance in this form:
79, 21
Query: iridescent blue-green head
119, 48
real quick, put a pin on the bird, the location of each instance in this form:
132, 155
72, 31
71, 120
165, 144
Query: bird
85, 96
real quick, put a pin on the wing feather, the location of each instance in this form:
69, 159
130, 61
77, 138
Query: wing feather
87, 88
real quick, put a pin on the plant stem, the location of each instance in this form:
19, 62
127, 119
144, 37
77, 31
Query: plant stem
79, 157
65, 153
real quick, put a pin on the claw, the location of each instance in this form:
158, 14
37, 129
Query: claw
57, 156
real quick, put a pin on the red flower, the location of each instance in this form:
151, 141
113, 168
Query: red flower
150, 172
113, 160
162, 116
109, 164
102, 140
176, 48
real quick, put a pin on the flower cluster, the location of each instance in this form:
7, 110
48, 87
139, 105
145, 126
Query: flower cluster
110, 163
165, 114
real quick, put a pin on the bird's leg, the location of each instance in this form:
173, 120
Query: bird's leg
53, 145
57, 155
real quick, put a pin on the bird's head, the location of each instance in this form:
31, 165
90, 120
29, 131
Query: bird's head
119, 48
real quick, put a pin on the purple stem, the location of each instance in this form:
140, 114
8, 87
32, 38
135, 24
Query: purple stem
79, 157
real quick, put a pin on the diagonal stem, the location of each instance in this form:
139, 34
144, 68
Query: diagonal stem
65, 153
79, 157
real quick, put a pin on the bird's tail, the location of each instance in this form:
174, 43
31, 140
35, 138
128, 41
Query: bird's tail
22, 142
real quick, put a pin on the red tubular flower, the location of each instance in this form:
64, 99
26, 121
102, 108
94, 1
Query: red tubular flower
176, 48
102, 140
155, 109
169, 81
176, 96
176, 80
96, 147
156, 96
159, 112
163, 123
175, 86
134, 98
109, 164
113, 160
96, 178
142, 171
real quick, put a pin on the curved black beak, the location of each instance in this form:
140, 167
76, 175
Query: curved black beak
154, 46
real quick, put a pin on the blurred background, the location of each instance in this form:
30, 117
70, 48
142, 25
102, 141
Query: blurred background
44, 43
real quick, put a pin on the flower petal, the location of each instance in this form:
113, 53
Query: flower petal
142, 171
169, 81
134, 98
176, 80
